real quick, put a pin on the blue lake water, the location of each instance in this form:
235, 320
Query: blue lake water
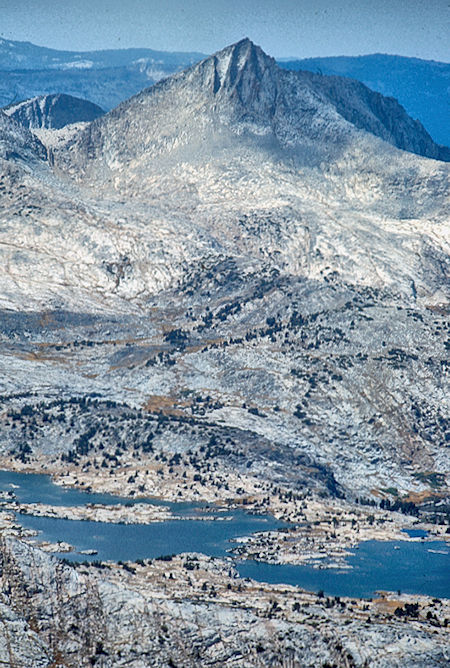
377, 566
33, 488
122, 542
420, 567
415, 533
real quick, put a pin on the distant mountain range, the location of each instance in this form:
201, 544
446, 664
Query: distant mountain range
103, 77
27, 56
109, 77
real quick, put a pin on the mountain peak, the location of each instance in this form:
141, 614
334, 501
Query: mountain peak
244, 73
53, 111
236, 95
241, 62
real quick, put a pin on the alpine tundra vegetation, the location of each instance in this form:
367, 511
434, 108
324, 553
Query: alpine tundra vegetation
232, 290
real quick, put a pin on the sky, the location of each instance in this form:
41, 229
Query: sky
283, 28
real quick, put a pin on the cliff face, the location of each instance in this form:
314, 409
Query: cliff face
382, 116
421, 86
18, 143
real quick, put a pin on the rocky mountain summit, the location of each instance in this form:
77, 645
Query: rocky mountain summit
236, 135
53, 111
229, 182
219, 187
109, 77
308, 117
233, 287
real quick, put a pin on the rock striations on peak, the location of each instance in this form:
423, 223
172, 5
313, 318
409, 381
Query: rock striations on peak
243, 71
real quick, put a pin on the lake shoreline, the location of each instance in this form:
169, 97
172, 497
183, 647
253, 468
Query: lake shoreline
327, 538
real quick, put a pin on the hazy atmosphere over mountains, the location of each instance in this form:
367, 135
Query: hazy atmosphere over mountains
232, 288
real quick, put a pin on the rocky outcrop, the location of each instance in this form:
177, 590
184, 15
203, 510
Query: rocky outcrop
18, 143
20, 645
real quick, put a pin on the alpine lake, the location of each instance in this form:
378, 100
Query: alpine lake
419, 567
